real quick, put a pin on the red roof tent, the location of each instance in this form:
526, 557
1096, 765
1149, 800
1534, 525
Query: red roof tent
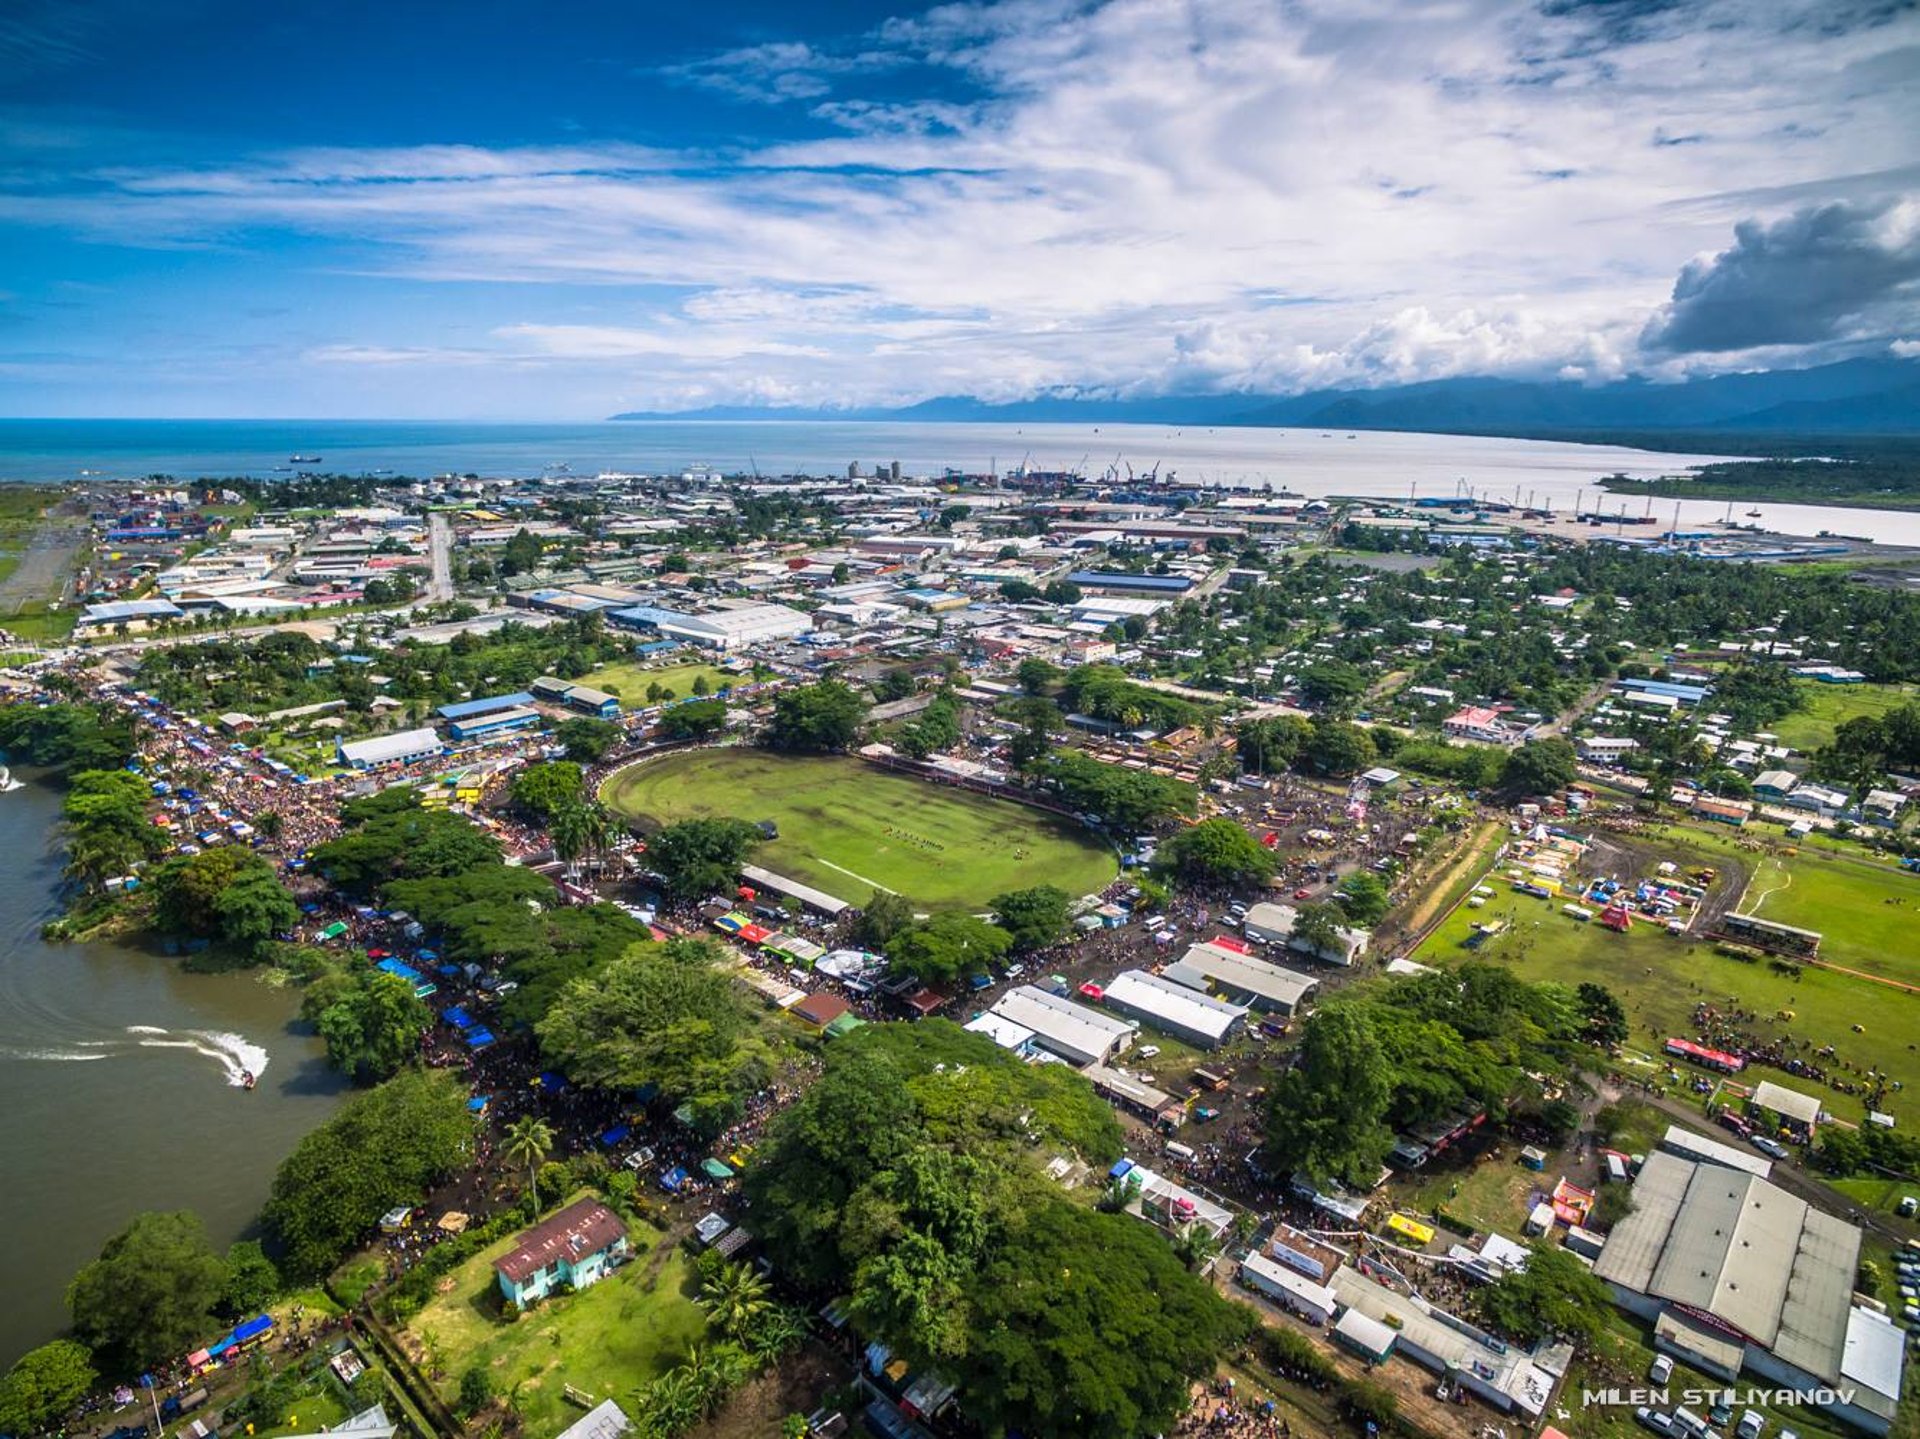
821, 1009
582, 1228
754, 933
925, 1001
1227, 941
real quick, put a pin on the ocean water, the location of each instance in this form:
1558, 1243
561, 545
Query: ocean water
1311, 462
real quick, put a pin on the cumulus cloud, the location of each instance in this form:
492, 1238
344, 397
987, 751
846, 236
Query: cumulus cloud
1131, 196
1813, 275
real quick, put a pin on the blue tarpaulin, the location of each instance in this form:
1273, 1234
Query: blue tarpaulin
614, 1136
478, 1104
551, 1082
456, 1016
477, 1038
674, 1179
255, 1328
404, 971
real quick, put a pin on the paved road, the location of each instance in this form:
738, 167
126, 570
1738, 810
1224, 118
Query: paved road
440, 546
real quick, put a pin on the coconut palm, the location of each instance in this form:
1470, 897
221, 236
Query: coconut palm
571, 830
735, 1296
529, 1140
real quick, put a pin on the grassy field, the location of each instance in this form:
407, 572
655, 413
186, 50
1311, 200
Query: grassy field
848, 828
607, 1340
1865, 911
1826, 707
1659, 979
629, 679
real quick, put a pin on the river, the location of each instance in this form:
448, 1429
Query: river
118, 1072
1308, 461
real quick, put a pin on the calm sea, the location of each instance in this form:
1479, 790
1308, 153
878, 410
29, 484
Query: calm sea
1311, 462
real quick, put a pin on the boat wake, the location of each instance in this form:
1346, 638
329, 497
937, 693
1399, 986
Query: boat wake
237, 1058
64, 1056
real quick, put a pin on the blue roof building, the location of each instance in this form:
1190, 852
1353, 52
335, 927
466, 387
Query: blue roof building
1119, 580
468, 709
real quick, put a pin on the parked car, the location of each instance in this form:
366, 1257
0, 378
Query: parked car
1772, 1148
1147, 1051
1657, 1421
1662, 1369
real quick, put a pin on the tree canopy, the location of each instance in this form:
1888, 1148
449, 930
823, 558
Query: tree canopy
225, 893
373, 1027
1554, 1297
44, 1384
152, 1292
1126, 799
389, 836
384, 1147
947, 946
1216, 851
542, 790
702, 856
587, 740
817, 717
661, 1017
911, 1174
1033, 918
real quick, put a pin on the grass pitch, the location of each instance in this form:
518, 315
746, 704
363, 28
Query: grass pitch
1659, 978
849, 828
1827, 707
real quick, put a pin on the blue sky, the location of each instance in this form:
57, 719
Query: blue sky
517, 211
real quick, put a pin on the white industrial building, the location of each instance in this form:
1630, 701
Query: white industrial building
730, 625
1186, 1014
1294, 1292
1273, 924
1077, 1034
1242, 978
1737, 1274
402, 748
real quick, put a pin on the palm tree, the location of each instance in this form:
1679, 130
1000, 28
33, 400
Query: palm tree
529, 1140
735, 1296
570, 829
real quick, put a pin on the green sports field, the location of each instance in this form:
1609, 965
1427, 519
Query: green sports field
629, 679
849, 828
1659, 978
1824, 708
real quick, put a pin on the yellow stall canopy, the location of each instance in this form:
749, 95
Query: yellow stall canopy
1411, 1229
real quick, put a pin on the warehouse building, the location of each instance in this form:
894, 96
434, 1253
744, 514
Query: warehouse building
498, 723
1502, 1374
1242, 979
493, 704
1293, 1292
390, 749
727, 627
586, 699
1079, 1035
1737, 1274
1190, 1015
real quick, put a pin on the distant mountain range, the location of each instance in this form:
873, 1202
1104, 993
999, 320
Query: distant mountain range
1852, 397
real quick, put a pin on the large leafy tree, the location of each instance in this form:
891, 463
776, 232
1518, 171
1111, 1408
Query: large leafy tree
909, 1174
1126, 799
1554, 1296
1216, 851
817, 717
662, 1016
1364, 898
225, 893
44, 1384
151, 1293
1269, 746
702, 856
389, 836
1338, 748
884, 916
948, 946
543, 789
1327, 1115
384, 1147
108, 830
587, 740
1542, 766
374, 1027
693, 719
1033, 918
1091, 1326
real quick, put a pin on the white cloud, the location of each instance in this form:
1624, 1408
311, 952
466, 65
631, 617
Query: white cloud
1131, 196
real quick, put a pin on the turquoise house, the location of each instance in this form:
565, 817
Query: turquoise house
579, 1246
